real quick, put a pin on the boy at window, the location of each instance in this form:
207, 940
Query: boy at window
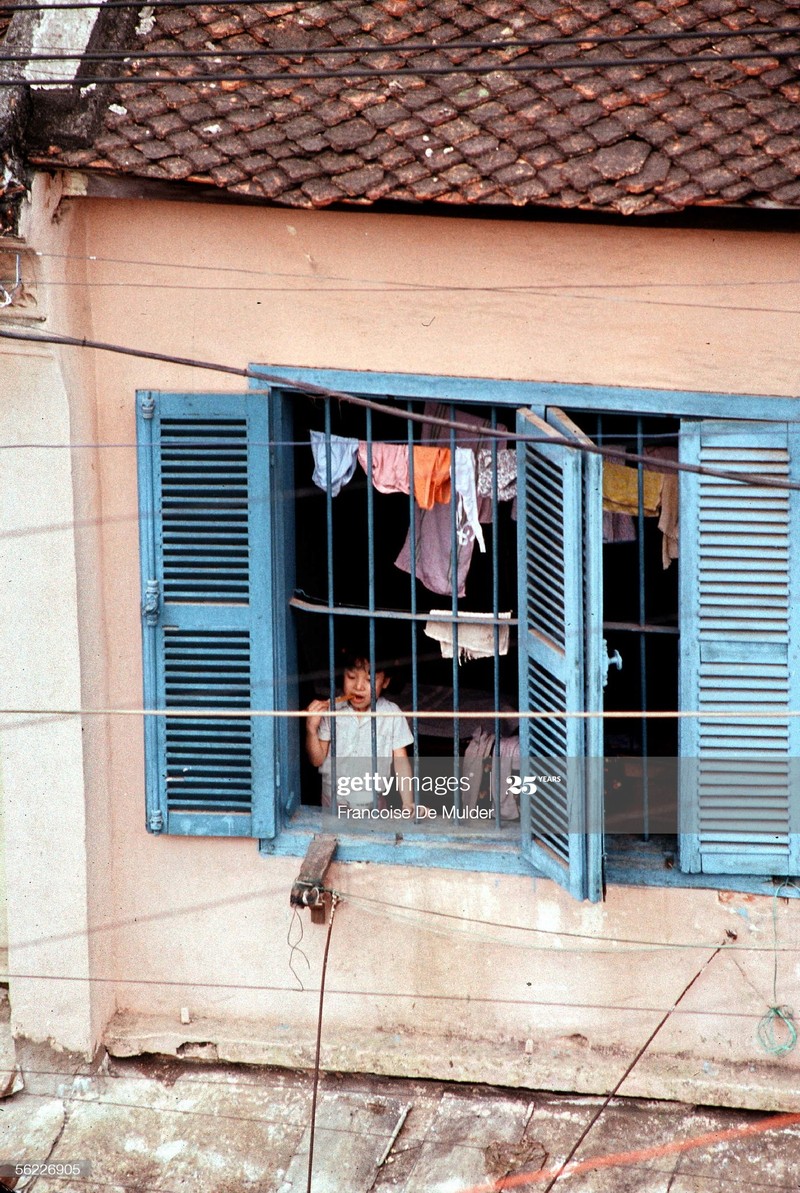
359, 772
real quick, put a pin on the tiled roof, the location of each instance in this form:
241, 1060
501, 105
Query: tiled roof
631, 138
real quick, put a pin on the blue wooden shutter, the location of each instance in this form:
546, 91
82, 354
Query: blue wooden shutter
560, 607
206, 567
739, 651
282, 501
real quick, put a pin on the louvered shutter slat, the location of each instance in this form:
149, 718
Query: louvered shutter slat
211, 647
557, 563
738, 645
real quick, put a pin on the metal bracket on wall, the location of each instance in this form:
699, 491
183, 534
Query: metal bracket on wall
308, 889
7, 296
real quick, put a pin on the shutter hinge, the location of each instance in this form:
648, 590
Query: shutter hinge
155, 821
151, 604
148, 406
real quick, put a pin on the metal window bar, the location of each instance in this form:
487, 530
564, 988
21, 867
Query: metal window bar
332, 611
331, 616
412, 530
496, 775
642, 635
454, 608
371, 599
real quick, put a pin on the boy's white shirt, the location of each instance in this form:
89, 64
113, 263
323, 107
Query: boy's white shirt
354, 746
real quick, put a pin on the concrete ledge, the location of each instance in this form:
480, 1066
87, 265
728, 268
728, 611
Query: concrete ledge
561, 1064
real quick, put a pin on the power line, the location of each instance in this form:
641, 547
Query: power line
289, 1080
351, 897
367, 287
421, 913
197, 712
553, 438
612, 1160
626, 1159
412, 287
587, 65
564, 1167
60, 55
406, 996
297, 5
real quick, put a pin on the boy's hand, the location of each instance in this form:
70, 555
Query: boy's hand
315, 710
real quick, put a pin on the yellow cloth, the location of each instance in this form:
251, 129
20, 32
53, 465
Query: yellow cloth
621, 490
668, 522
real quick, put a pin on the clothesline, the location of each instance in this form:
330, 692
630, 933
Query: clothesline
392, 466
435, 474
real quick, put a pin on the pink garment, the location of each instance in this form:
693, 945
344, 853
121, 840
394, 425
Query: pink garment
434, 563
618, 528
389, 466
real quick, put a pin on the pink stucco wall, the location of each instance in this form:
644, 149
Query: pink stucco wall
203, 924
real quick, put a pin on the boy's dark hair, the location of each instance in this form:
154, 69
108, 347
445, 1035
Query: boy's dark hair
355, 652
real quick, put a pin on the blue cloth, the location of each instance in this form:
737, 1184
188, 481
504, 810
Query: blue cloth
343, 461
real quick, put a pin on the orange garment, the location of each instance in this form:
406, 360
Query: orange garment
431, 476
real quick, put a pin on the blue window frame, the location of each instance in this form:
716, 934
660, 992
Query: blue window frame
218, 538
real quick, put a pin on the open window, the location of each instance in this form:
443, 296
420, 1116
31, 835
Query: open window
252, 573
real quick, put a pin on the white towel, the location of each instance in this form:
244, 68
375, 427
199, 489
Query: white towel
474, 641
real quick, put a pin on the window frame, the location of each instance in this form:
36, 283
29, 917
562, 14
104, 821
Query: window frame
491, 853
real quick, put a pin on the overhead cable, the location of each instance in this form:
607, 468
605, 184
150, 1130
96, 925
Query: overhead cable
321, 391
500, 68
533, 43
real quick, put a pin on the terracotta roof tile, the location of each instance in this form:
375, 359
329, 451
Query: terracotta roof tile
634, 138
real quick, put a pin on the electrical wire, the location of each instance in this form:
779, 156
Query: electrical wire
563, 1168
409, 910
286, 1081
353, 897
403, 996
89, 5
619, 1159
318, 1045
412, 287
368, 288
424, 72
613, 1160
321, 391
197, 712
533, 43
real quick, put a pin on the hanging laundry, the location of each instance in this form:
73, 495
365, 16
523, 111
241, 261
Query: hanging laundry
482, 747
389, 466
509, 764
475, 641
431, 476
621, 489
668, 518
343, 461
618, 528
467, 525
433, 565
506, 473
478, 750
